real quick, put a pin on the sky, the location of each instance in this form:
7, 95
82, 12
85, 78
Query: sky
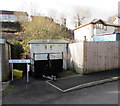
100, 9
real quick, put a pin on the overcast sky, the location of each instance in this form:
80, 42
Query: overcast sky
99, 8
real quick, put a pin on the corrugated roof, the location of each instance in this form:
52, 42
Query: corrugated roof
48, 41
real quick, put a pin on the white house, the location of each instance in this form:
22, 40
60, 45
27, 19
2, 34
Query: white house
12, 16
94, 28
116, 20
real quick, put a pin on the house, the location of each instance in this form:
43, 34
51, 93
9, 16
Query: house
13, 16
10, 20
107, 37
94, 28
116, 20
5, 55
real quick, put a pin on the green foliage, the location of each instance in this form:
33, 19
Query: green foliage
73, 69
42, 28
17, 50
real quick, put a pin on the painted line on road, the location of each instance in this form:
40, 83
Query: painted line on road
55, 86
85, 85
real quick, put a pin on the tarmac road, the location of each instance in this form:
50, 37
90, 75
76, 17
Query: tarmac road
39, 92
100, 94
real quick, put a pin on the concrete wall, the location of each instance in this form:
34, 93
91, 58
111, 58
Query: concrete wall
0, 62
84, 31
76, 56
4, 65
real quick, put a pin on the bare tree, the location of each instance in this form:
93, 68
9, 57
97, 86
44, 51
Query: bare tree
62, 19
79, 14
53, 14
58, 17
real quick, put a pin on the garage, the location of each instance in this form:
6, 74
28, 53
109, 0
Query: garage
49, 56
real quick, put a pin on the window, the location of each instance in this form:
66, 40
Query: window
105, 27
100, 26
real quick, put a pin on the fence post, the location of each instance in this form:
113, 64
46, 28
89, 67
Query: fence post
84, 54
119, 55
28, 70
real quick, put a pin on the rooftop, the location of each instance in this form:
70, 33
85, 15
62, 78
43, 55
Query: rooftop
94, 21
13, 12
48, 41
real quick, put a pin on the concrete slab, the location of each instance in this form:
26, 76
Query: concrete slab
76, 82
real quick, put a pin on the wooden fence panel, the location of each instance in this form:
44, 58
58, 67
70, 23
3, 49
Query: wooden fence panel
102, 55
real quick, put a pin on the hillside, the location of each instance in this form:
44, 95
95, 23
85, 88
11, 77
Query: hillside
40, 28
44, 28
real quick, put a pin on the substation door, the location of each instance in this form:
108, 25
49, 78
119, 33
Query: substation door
48, 64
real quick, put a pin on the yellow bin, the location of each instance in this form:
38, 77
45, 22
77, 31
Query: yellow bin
17, 73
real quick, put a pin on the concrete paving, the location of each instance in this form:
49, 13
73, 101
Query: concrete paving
40, 92
76, 82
